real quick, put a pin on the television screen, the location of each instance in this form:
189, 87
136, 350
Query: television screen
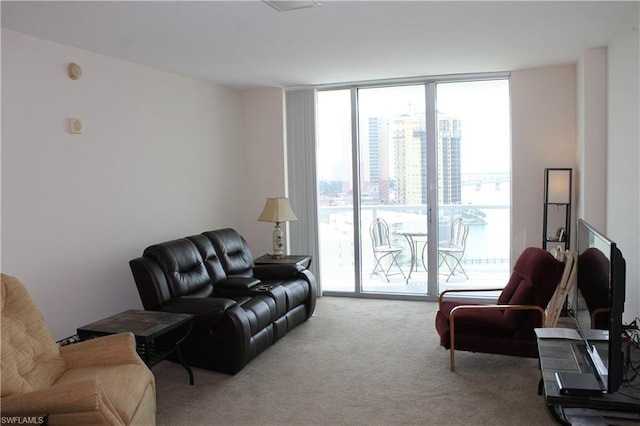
600, 302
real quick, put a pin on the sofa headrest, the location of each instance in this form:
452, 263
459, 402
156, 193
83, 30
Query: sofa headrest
183, 266
211, 259
234, 252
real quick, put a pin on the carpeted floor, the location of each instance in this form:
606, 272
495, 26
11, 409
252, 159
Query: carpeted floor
358, 362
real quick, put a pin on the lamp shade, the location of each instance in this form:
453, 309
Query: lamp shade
559, 186
277, 209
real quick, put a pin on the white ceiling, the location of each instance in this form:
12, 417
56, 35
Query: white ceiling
249, 44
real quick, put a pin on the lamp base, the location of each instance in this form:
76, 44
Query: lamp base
278, 242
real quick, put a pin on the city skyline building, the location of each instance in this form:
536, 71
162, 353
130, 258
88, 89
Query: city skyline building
394, 163
449, 160
397, 159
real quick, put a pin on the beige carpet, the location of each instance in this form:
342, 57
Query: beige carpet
358, 362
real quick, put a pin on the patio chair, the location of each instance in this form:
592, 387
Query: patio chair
382, 249
452, 254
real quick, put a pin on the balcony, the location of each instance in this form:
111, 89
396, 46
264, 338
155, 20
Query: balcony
486, 259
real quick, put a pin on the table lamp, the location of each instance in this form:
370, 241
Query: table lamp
277, 210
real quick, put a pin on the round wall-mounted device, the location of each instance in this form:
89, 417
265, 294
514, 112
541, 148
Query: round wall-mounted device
75, 126
74, 71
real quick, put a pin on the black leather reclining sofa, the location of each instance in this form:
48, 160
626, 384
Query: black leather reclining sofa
240, 308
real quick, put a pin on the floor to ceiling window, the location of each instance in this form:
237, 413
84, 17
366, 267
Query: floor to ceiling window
398, 165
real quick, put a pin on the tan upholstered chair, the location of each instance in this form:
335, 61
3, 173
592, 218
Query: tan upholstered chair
98, 382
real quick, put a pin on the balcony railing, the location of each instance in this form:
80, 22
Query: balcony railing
486, 259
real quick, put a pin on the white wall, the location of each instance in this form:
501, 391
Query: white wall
543, 123
160, 158
623, 154
591, 171
264, 161
76, 208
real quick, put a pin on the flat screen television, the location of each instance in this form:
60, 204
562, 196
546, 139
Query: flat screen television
600, 301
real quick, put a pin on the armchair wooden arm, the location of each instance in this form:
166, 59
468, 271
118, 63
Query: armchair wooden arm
461, 308
83, 400
441, 298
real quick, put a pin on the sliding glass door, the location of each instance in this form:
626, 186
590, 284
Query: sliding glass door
393, 188
335, 191
397, 165
474, 183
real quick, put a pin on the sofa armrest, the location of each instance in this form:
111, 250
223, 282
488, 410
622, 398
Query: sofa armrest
73, 397
237, 283
199, 306
108, 350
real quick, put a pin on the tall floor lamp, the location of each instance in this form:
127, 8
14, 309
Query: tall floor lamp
557, 207
277, 210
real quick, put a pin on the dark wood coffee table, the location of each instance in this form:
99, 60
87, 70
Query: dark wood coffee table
158, 334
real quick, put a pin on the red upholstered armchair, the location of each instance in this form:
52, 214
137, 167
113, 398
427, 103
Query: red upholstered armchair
507, 327
593, 267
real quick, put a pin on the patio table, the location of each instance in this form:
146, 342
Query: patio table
413, 238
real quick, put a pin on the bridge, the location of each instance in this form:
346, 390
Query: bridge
481, 179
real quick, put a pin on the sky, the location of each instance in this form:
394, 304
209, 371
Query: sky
482, 107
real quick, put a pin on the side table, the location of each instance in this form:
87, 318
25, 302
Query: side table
158, 334
303, 260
